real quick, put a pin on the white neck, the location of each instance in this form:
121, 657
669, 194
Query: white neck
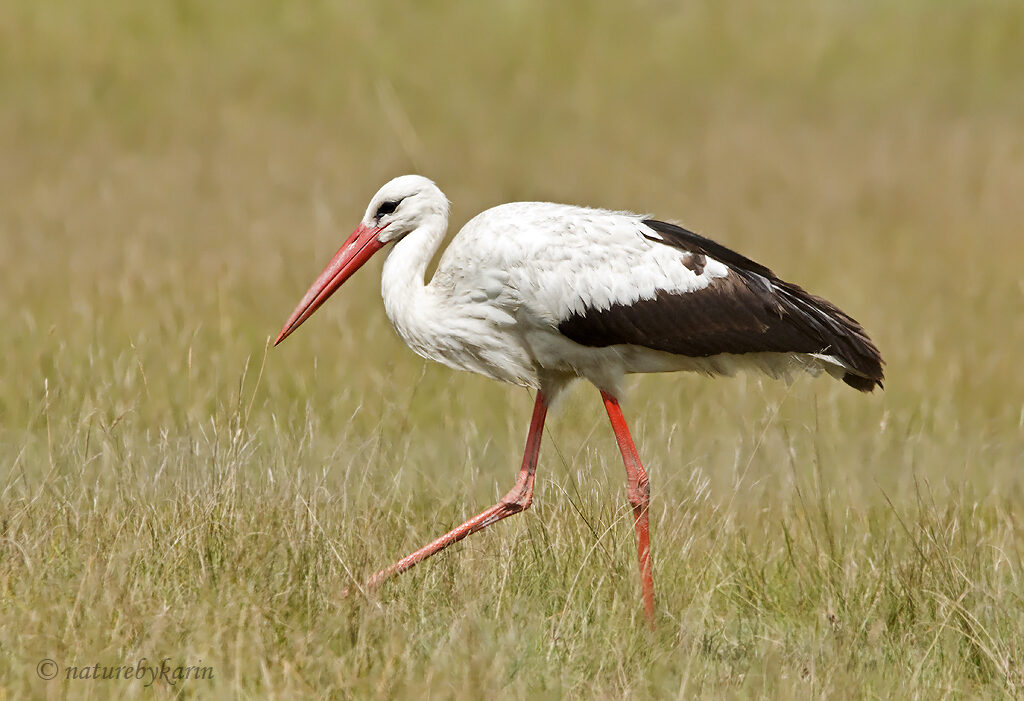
406, 299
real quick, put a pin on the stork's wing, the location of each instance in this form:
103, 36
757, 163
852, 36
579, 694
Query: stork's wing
749, 310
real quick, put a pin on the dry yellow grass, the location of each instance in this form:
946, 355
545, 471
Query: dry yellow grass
172, 176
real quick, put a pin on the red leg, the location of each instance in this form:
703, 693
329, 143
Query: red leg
518, 499
639, 493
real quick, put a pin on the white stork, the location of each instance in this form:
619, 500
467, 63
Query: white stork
542, 294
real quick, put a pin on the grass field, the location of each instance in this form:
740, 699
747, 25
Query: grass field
174, 174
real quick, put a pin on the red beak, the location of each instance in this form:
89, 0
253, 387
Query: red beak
356, 250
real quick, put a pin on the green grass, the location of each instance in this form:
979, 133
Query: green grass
174, 174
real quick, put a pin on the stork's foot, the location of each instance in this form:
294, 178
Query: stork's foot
517, 499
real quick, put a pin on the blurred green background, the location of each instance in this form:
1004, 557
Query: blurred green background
174, 174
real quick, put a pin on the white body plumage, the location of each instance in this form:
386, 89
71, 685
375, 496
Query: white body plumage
516, 271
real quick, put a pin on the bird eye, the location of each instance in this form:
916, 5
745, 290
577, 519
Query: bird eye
386, 208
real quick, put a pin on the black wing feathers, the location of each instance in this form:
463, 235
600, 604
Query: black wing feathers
750, 311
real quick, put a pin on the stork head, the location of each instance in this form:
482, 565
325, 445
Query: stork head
401, 206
